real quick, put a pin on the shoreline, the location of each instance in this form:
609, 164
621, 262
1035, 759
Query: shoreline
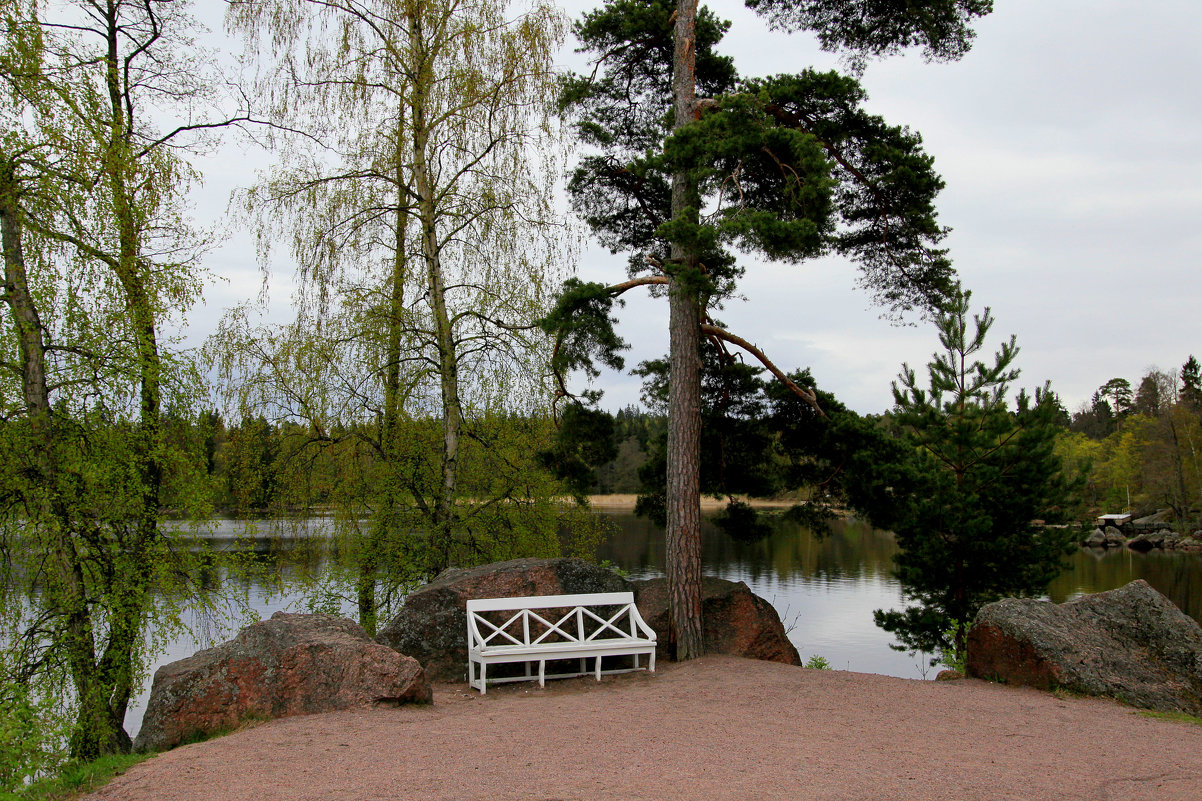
625, 501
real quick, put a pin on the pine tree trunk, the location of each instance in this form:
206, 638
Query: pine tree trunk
683, 558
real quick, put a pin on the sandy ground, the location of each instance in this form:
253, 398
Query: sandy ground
715, 728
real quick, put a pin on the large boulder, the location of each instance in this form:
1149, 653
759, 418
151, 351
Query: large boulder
288, 665
1131, 643
432, 624
734, 619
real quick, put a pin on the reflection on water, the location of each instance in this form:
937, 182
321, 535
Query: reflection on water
825, 589
1178, 575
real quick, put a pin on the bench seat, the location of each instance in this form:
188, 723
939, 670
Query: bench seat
595, 625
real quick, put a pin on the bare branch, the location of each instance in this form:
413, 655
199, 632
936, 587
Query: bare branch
805, 393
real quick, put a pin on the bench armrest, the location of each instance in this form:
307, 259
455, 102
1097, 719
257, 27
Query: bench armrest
648, 632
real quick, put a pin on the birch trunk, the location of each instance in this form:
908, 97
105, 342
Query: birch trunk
444, 334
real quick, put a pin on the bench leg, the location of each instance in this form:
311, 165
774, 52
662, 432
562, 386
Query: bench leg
651, 663
598, 668
471, 672
483, 680
636, 661
542, 673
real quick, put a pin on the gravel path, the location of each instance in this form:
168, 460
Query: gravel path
715, 728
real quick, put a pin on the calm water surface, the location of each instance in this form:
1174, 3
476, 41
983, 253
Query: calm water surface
824, 589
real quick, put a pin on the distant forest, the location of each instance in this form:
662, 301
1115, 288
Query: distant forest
1138, 447
1133, 447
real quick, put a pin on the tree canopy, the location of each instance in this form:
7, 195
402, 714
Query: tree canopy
103, 101
690, 168
422, 225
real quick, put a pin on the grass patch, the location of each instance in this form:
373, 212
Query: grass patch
1063, 693
1179, 717
77, 779
1066, 694
247, 721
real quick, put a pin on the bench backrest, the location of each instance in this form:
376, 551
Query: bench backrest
580, 623
550, 601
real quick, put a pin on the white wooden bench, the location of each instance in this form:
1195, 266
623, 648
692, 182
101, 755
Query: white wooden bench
589, 628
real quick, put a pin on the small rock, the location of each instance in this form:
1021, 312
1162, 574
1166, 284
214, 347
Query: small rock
1141, 543
1096, 540
949, 675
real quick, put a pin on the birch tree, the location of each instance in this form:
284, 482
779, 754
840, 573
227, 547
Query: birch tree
415, 190
98, 256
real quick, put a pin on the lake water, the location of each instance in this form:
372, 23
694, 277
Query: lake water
824, 589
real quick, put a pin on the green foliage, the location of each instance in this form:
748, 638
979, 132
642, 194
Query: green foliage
953, 654
1176, 717
584, 439
613, 568
582, 318
77, 778
1190, 376
817, 662
32, 734
1117, 392
409, 393
758, 438
790, 167
97, 257
881, 27
1079, 455
1143, 459
979, 473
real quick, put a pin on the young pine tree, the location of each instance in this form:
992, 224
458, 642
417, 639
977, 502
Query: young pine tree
981, 472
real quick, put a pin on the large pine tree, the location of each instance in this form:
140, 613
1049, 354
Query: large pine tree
688, 164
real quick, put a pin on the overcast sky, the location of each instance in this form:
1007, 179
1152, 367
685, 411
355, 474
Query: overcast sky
1069, 141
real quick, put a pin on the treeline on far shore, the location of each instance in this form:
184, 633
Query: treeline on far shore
1132, 449
1136, 449
257, 467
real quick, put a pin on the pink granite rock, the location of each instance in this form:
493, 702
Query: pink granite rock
289, 665
735, 620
